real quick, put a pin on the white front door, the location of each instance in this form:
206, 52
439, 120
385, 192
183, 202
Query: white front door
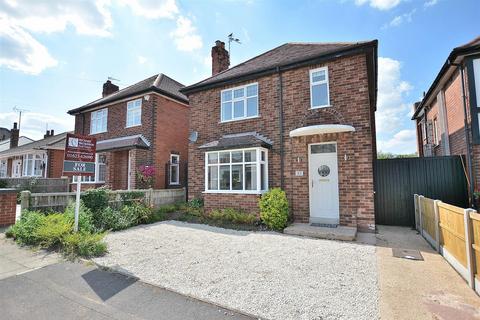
16, 168
323, 178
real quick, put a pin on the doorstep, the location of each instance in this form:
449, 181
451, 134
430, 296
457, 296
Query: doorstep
307, 230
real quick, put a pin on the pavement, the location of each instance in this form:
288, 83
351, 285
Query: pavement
17, 260
413, 289
69, 290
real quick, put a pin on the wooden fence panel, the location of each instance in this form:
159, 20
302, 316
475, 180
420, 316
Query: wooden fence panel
428, 217
475, 218
452, 231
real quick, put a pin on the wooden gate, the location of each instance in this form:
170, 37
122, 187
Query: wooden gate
397, 180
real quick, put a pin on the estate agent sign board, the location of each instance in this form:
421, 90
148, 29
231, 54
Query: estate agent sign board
79, 161
79, 156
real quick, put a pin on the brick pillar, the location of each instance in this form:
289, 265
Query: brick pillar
8, 206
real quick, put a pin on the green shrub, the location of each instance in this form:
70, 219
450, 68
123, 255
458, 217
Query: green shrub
132, 196
85, 217
196, 203
274, 209
156, 216
53, 229
168, 208
233, 215
25, 230
139, 212
84, 244
3, 184
111, 219
96, 199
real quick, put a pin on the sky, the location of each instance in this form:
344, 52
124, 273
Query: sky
56, 54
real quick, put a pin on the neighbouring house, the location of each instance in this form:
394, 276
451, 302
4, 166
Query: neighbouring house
448, 117
299, 117
140, 127
42, 158
5, 140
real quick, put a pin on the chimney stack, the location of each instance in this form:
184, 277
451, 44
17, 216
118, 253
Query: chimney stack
220, 58
14, 134
47, 134
109, 88
52, 133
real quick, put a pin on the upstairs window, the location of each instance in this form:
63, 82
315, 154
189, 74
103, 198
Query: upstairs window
98, 122
134, 113
319, 91
239, 103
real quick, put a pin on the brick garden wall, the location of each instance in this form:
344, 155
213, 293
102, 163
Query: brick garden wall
351, 105
8, 206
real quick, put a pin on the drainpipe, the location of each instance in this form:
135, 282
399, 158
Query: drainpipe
467, 133
280, 124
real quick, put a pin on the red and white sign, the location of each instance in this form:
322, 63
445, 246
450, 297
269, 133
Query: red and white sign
79, 155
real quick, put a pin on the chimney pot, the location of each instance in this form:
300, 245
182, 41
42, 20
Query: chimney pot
109, 88
51, 132
47, 133
220, 58
14, 134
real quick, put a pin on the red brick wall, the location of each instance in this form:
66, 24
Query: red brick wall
455, 115
164, 125
350, 100
8, 207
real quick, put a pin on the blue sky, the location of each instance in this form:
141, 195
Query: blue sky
55, 55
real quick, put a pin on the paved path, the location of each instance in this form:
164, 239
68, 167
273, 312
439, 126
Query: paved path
429, 289
16, 260
77, 291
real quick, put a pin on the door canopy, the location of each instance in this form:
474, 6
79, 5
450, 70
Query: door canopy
321, 129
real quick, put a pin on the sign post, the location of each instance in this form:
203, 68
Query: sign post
79, 161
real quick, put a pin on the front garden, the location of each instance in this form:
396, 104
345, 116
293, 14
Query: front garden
99, 214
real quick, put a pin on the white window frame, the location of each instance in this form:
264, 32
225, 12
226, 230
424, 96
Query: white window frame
96, 116
132, 108
94, 178
312, 83
177, 165
435, 131
244, 98
3, 168
35, 157
258, 162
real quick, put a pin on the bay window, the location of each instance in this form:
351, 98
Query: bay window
239, 103
237, 171
33, 165
3, 168
100, 169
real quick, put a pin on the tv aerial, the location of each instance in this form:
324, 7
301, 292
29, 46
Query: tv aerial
231, 38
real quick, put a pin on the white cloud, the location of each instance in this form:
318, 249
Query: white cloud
379, 4
20, 51
430, 3
185, 35
403, 142
141, 59
398, 20
87, 17
34, 124
152, 9
392, 92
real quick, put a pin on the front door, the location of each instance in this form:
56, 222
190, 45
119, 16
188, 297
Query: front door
323, 178
16, 168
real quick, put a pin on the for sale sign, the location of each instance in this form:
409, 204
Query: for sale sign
79, 155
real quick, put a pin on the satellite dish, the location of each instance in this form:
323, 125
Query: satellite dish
193, 136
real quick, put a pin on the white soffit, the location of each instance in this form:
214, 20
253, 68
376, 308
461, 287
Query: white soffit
321, 129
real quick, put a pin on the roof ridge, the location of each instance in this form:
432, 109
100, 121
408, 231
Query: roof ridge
179, 83
158, 79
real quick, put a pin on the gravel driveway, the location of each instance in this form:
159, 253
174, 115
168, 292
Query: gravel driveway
266, 274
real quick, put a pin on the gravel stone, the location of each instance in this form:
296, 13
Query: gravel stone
267, 274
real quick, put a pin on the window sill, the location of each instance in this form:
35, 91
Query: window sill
174, 184
136, 125
321, 107
240, 119
91, 134
235, 192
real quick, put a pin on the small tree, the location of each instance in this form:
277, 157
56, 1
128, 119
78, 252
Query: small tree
274, 209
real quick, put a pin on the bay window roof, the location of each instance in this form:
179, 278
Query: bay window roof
239, 140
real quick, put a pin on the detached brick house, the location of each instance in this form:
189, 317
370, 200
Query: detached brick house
448, 117
299, 117
145, 124
42, 158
